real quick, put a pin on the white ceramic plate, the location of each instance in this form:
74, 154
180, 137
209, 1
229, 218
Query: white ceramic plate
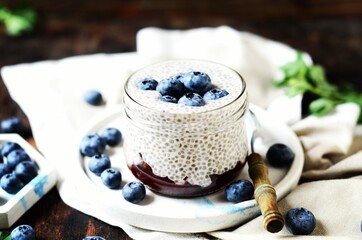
13, 206
200, 214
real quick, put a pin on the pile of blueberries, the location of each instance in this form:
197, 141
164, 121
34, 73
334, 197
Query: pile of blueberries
190, 89
93, 146
16, 167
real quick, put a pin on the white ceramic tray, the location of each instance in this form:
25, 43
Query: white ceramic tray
200, 214
13, 206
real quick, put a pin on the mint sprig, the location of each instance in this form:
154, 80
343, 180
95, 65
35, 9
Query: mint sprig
18, 21
299, 78
5, 235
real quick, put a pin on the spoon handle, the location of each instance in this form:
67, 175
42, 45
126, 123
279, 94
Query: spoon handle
264, 193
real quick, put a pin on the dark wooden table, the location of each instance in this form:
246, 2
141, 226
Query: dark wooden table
330, 30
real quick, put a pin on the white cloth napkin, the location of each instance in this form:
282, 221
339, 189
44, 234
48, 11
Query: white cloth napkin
50, 93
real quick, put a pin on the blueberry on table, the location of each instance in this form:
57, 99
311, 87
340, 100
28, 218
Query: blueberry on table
26, 171
134, 192
280, 155
92, 144
16, 156
300, 221
197, 82
214, 94
98, 163
192, 99
7, 147
23, 232
112, 136
93, 97
93, 238
10, 183
111, 178
239, 191
11, 125
147, 84
172, 87
168, 99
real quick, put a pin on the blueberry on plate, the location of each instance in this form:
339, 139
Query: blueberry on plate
23, 232
26, 171
300, 221
4, 169
147, 84
112, 136
172, 87
168, 99
98, 163
214, 94
192, 99
134, 192
93, 97
92, 144
280, 155
7, 147
11, 125
93, 238
111, 178
16, 156
197, 82
10, 183
239, 190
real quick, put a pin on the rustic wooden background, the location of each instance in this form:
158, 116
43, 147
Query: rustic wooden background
330, 30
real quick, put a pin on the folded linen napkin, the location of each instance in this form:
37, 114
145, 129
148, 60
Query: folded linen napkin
56, 112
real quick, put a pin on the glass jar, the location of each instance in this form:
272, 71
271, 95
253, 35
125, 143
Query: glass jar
183, 151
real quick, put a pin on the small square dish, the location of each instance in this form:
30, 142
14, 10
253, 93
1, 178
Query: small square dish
13, 206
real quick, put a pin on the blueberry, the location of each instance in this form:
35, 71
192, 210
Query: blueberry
92, 144
300, 221
23, 232
147, 84
112, 136
134, 192
98, 163
8, 147
10, 183
16, 156
280, 155
191, 99
239, 190
26, 171
111, 178
94, 238
197, 82
214, 94
168, 98
4, 169
93, 97
11, 125
172, 87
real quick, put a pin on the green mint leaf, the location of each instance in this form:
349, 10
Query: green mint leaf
5, 235
17, 22
321, 106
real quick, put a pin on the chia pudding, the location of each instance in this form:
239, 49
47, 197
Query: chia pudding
185, 151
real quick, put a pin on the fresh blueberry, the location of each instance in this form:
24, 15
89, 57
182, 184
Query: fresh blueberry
8, 147
172, 87
134, 192
168, 99
147, 84
239, 190
300, 221
10, 183
191, 99
23, 232
94, 238
98, 163
26, 171
197, 82
92, 144
16, 156
93, 97
4, 169
280, 155
111, 178
214, 94
11, 125
112, 136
